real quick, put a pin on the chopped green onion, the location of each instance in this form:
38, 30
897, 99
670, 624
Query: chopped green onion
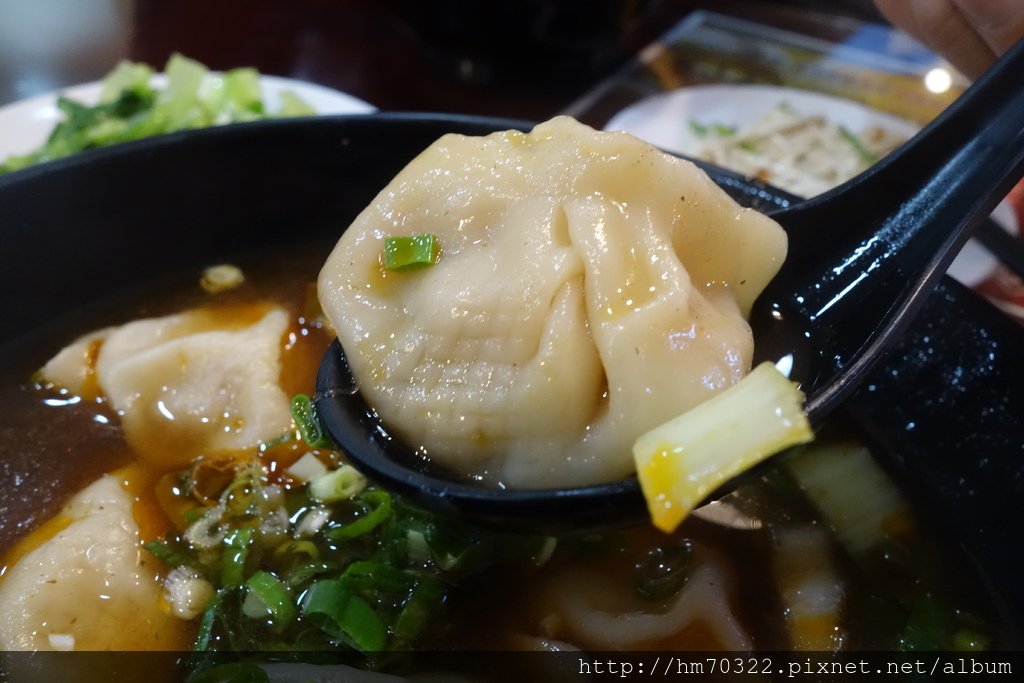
344, 616
377, 509
376, 577
863, 152
241, 495
287, 437
747, 146
424, 599
274, 595
304, 414
344, 483
172, 557
681, 461
295, 549
410, 253
232, 571
206, 622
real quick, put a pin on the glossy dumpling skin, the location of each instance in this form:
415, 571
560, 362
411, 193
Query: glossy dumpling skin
90, 582
197, 382
589, 287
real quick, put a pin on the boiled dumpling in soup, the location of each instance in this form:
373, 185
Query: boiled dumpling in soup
90, 586
201, 381
588, 288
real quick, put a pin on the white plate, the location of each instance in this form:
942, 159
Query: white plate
664, 120
25, 125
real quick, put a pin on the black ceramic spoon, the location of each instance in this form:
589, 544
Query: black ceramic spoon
862, 260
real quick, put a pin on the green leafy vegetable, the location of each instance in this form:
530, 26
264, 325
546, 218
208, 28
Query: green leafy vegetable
411, 253
130, 108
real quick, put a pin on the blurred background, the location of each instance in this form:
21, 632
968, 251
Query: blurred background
521, 58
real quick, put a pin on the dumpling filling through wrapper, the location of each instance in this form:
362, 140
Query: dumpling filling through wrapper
589, 288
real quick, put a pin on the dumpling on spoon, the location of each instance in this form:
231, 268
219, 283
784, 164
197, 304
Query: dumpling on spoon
588, 288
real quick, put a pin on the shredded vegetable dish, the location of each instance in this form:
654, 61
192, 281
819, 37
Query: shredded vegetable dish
805, 155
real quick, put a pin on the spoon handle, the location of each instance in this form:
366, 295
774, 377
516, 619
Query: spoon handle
864, 256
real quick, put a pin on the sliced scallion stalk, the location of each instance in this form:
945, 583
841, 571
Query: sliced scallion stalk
170, 556
344, 483
378, 508
309, 425
274, 595
340, 614
377, 577
206, 622
424, 599
232, 570
411, 253
682, 461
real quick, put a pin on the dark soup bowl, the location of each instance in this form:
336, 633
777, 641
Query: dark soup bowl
125, 233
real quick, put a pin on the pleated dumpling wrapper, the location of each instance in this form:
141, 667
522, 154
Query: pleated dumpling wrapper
588, 287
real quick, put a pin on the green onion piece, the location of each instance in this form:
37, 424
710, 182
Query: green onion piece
206, 622
426, 597
309, 425
287, 437
863, 152
295, 549
747, 146
170, 556
378, 508
344, 483
722, 130
232, 571
240, 497
376, 577
410, 253
344, 616
302, 573
272, 593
